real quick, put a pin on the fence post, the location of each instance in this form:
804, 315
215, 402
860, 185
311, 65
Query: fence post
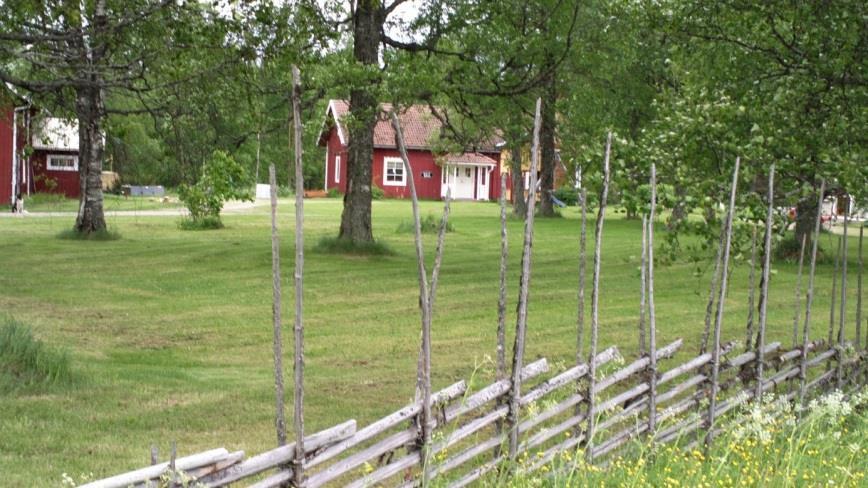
652, 313
803, 361
748, 339
298, 367
580, 312
764, 292
521, 320
715, 277
798, 299
859, 292
595, 302
280, 420
501, 300
718, 322
643, 277
834, 295
842, 315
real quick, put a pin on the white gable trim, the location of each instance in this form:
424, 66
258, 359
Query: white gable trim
341, 135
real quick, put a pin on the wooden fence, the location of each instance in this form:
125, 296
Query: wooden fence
529, 416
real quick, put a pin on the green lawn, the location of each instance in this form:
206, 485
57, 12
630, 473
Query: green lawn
170, 331
43, 202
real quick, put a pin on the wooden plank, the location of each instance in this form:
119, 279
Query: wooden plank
445, 395
547, 434
495, 390
151, 472
623, 414
476, 473
281, 455
682, 387
567, 377
549, 455
636, 366
351, 462
623, 397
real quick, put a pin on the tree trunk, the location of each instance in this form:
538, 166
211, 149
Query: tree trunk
519, 202
679, 211
806, 217
89, 108
547, 149
356, 217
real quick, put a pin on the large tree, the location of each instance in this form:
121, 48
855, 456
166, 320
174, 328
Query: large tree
71, 56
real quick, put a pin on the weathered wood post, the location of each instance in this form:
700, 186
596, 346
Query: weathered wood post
279, 419
423, 373
718, 322
501, 299
643, 278
764, 292
595, 303
154, 454
798, 300
712, 292
859, 292
748, 339
652, 312
834, 295
803, 360
580, 312
521, 320
842, 315
298, 367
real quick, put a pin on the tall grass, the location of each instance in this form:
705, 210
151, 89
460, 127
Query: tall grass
763, 445
26, 362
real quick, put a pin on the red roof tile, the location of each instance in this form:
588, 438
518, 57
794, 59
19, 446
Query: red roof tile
420, 126
470, 158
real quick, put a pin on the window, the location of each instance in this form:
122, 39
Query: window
427, 174
467, 172
337, 169
393, 172
58, 162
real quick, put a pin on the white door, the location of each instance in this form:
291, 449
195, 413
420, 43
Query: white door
482, 182
460, 180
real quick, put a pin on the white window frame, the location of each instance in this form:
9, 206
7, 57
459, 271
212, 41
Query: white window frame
400, 162
338, 168
52, 167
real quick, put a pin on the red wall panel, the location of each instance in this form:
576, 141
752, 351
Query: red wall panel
6, 117
50, 181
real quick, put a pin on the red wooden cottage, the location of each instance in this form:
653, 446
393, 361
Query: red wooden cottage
469, 175
38, 153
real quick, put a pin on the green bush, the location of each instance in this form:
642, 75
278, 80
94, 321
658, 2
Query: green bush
334, 193
204, 223
336, 245
377, 193
285, 191
26, 361
429, 225
567, 195
222, 179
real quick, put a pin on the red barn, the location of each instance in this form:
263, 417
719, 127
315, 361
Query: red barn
38, 153
468, 175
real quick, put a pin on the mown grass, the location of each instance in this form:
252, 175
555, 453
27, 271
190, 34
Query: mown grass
49, 202
173, 329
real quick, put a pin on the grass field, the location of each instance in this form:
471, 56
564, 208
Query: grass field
169, 332
43, 202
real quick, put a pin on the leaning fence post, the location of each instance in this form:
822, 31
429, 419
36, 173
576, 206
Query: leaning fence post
803, 361
834, 295
298, 367
859, 292
712, 289
748, 339
595, 302
764, 292
842, 315
154, 454
280, 420
798, 299
643, 278
718, 322
652, 312
580, 312
521, 320
501, 299
423, 373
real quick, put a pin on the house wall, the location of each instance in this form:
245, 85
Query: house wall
333, 149
51, 181
6, 117
421, 162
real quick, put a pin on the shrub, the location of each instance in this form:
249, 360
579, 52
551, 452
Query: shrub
205, 223
377, 193
336, 245
567, 195
334, 193
222, 179
429, 225
26, 361
284, 191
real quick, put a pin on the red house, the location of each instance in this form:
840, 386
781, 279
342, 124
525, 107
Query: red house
468, 175
38, 153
